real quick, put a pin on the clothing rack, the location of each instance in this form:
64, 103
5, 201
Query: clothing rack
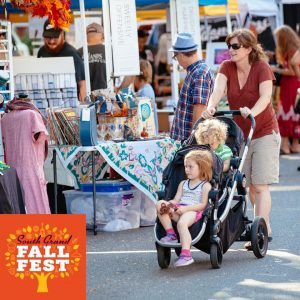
8, 61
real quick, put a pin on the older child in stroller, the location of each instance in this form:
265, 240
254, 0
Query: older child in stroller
224, 220
188, 204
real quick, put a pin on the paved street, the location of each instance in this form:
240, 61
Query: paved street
123, 265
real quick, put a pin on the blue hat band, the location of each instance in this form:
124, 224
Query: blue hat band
186, 48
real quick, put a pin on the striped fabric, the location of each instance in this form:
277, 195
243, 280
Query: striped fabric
196, 89
224, 152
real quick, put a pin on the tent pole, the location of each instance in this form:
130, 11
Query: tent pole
175, 73
228, 20
281, 17
108, 44
85, 50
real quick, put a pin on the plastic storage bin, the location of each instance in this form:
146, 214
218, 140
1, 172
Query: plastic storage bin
107, 186
114, 211
148, 211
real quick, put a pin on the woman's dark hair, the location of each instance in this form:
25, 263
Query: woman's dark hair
247, 39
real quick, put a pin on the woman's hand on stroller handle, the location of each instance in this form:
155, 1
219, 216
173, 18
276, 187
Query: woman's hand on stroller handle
245, 111
238, 113
209, 112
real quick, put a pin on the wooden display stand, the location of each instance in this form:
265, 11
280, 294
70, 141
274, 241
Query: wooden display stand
163, 119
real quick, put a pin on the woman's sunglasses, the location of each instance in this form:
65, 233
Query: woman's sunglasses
234, 46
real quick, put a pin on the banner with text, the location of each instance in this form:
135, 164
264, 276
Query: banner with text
43, 257
124, 37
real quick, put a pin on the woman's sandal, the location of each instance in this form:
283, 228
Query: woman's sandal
248, 245
282, 152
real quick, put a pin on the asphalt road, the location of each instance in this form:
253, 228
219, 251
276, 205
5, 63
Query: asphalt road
123, 265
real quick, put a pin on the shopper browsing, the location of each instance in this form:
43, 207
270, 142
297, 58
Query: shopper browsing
144, 89
196, 89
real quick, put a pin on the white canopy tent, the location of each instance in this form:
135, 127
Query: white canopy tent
264, 8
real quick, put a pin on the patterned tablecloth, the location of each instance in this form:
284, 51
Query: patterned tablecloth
139, 162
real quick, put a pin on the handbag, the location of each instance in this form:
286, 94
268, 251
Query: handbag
297, 103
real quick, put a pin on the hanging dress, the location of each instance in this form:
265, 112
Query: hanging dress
27, 155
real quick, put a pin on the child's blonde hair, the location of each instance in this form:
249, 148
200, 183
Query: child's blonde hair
204, 160
211, 131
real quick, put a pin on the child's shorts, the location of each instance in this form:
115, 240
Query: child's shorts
198, 216
198, 213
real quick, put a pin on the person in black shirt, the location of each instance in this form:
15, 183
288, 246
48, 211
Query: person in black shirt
96, 52
144, 51
56, 46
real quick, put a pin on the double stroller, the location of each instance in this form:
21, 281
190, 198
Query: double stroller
224, 220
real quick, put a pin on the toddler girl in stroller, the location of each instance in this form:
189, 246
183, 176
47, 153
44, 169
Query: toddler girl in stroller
189, 202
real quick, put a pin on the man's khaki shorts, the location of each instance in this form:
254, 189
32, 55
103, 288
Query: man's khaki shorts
262, 162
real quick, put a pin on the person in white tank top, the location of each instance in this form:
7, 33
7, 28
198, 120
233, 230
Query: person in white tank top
189, 202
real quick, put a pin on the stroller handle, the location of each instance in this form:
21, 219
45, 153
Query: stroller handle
231, 113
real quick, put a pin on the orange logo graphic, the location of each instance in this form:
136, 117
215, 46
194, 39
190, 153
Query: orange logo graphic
50, 249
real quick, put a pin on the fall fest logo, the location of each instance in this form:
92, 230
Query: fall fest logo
45, 251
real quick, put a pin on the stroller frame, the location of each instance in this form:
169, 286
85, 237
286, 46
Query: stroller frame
254, 231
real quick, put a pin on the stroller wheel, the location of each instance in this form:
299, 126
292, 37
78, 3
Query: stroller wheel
177, 251
163, 256
216, 255
259, 237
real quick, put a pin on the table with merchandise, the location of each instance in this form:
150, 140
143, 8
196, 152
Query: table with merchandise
140, 162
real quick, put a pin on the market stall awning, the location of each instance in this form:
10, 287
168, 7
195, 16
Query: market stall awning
90, 4
151, 9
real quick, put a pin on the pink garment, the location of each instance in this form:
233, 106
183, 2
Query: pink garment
27, 156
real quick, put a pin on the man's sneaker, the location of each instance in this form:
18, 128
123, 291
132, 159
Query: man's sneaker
183, 260
169, 238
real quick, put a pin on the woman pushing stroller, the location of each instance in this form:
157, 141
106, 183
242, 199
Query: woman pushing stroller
188, 204
247, 79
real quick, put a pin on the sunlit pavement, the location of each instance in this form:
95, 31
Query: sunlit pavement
123, 265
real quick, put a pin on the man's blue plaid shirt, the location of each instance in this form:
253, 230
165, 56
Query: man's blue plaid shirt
196, 89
